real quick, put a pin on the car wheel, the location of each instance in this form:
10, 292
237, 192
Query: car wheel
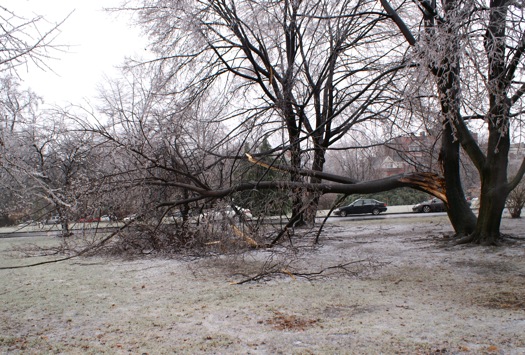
376, 211
343, 213
426, 209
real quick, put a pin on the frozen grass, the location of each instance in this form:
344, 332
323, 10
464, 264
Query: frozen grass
414, 294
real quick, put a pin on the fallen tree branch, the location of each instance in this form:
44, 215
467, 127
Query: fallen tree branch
302, 172
277, 270
424, 181
431, 183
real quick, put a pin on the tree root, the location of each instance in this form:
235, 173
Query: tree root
464, 239
475, 238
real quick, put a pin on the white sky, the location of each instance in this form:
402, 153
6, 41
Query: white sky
99, 41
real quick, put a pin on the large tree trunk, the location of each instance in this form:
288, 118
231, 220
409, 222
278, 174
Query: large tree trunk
295, 163
494, 188
493, 166
314, 196
493, 170
461, 216
447, 73
492, 203
487, 230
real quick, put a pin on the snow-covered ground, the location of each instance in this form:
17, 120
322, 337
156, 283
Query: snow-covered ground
388, 286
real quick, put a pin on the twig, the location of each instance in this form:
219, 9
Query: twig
308, 276
80, 253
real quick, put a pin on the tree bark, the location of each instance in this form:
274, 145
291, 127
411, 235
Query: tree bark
494, 189
427, 182
313, 196
487, 230
447, 73
295, 163
461, 217
493, 169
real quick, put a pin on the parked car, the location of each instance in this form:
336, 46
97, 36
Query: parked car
227, 212
106, 218
433, 205
230, 212
360, 206
131, 217
54, 220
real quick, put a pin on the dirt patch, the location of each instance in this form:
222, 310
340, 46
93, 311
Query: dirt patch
403, 289
291, 322
505, 300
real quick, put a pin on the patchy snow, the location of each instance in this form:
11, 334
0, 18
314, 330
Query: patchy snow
405, 289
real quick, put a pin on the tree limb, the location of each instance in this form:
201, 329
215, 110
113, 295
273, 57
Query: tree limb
399, 22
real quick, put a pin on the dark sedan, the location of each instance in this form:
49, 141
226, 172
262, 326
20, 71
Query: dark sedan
360, 206
434, 205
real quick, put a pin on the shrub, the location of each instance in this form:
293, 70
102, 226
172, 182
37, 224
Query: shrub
516, 200
396, 197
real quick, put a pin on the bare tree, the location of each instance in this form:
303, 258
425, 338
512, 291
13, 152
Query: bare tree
159, 141
310, 69
24, 41
475, 52
51, 167
167, 155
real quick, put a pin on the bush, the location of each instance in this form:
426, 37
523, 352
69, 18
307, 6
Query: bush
201, 238
396, 197
516, 200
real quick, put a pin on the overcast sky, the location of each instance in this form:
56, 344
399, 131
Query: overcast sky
98, 42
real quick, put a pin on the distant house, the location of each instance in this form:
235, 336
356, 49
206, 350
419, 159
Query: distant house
388, 166
407, 153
